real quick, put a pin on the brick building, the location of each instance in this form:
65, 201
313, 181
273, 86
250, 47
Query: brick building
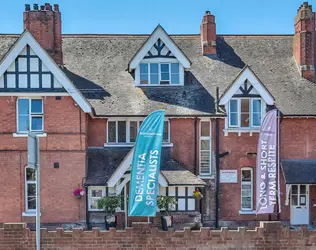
86, 96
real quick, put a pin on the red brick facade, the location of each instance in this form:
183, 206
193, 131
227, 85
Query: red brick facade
65, 143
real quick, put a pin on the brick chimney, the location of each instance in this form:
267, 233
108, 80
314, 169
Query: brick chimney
208, 34
303, 43
45, 26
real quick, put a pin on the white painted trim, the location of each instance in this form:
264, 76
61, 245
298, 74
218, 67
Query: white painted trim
204, 138
159, 33
26, 135
255, 82
247, 212
39, 94
247, 182
27, 39
120, 187
121, 169
90, 189
30, 214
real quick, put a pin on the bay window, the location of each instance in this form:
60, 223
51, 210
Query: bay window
159, 73
29, 115
125, 131
246, 189
245, 112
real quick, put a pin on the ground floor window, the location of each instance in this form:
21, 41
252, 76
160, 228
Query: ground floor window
183, 195
30, 189
95, 193
246, 189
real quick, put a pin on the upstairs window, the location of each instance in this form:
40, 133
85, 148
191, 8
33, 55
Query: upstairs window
30, 115
245, 112
159, 74
126, 131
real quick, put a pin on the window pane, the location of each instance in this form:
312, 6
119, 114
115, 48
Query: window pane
256, 105
154, 68
23, 123
23, 106
246, 203
144, 68
133, 131
144, 79
94, 204
30, 174
233, 118
37, 123
245, 120
164, 68
205, 144
205, 128
36, 106
154, 79
294, 200
233, 106
244, 105
166, 132
294, 189
246, 175
246, 190
164, 76
96, 193
256, 119
302, 189
175, 78
112, 131
31, 189
31, 202
121, 131
174, 67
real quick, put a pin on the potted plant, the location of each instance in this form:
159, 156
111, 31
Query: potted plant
165, 204
109, 205
79, 192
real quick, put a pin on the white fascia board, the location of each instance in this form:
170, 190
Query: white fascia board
255, 82
159, 33
31, 94
27, 39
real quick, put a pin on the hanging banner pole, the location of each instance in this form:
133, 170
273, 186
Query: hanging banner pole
279, 164
146, 166
267, 165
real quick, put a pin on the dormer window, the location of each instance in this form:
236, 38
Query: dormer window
159, 74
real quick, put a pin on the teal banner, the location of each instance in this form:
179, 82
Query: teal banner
146, 166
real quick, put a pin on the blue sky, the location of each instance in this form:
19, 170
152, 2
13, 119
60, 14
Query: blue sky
176, 16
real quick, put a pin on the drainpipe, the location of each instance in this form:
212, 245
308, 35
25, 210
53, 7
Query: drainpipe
217, 162
87, 209
195, 147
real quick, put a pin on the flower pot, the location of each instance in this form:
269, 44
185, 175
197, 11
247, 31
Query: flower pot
166, 222
110, 221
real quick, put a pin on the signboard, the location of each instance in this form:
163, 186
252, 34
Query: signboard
228, 176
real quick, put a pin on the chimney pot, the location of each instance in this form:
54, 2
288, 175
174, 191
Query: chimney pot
35, 6
42, 7
56, 7
27, 7
207, 12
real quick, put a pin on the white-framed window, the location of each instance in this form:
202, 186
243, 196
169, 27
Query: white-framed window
159, 73
95, 194
246, 189
30, 115
205, 147
245, 112
125, 131
30, 190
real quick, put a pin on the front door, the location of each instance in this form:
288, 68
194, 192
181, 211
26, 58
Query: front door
300, 205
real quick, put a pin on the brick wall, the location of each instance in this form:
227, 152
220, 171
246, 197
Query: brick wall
96, 132
65, 125
270, 235
296, 143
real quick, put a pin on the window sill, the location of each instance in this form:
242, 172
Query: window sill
210, 176
26, 135
241, 130
126, 145
30, 214
247, 211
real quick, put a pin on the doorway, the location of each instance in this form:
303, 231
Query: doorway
300, 205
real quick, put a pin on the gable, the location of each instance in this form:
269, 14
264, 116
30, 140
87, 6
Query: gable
247, 84
28, 73
27, 68
159, 45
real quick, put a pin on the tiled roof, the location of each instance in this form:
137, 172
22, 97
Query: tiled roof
299, 171
98, 67
102, 163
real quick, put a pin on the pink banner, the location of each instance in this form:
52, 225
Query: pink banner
267, 164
